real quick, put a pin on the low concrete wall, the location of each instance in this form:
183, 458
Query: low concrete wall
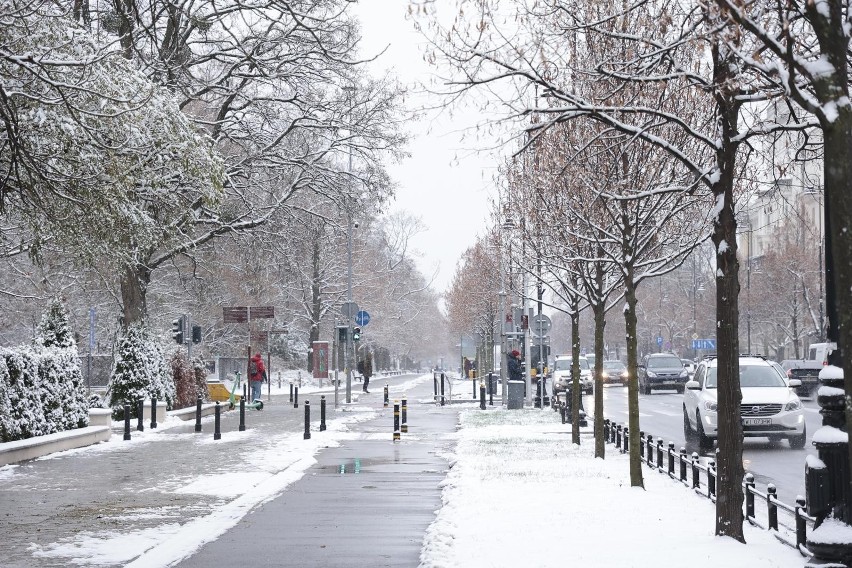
189, 413
99, 430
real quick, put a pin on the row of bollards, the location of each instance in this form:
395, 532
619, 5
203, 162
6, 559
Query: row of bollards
217, 433
400, 411
140, 411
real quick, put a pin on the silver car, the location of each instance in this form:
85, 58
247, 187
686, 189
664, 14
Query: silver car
769, 408
561, 375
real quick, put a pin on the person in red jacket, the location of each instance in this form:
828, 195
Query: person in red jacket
257, 373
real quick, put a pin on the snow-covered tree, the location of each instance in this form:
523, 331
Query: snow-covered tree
76, 118
63, 392
140, 372
53, 330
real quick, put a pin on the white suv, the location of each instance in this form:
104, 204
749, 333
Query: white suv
562, 374
769, 407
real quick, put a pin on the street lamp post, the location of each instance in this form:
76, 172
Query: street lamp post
346, 359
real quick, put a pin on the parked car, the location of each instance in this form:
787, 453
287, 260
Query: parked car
661, 371
689, 366
769, 407
614, 372
561, 374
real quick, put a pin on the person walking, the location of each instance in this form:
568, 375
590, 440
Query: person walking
368, 370
257, 373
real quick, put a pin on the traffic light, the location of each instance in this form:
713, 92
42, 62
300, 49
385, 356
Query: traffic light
177, 330
356, 333
196, 334
341, 333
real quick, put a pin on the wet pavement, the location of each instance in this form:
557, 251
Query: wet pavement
366, 499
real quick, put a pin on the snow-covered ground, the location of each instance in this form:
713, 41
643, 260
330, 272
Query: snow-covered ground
521, 494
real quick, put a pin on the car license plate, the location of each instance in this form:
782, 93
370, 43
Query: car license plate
757, 421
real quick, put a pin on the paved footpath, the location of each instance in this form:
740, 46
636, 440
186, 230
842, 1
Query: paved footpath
365, 503
367, 500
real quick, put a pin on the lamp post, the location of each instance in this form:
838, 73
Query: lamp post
350, 90
507, 226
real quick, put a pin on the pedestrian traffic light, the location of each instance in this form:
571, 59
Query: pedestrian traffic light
196, 334
356, 333
341, 333
177, 330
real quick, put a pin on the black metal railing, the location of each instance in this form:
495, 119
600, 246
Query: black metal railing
675, 463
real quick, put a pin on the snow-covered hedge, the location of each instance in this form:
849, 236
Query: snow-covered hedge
41, 387
41, 392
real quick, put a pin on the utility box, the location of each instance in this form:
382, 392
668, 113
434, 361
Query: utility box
515, 398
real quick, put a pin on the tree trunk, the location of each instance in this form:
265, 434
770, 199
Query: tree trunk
838, 209
730, 471
632, 383
575, 373
316, 300
134, 286
599, 310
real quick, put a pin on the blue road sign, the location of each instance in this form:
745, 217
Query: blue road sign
362, 318
659, 340
705, 344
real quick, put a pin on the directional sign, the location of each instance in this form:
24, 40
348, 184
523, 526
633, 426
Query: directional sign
362, 318
540, 325
705, 344
238, 314
348, 310
262, 312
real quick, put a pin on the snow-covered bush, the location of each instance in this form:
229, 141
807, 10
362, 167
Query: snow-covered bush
23, 393
190, 380
140, 372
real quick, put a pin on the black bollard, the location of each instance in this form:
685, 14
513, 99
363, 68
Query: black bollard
242, 427
395, 421
442, 389
217, 433
322, 413
140, 415
126, 421
435, 384
482, 396
491, 389
307, 420
198, 414
296, 397
404, 427
153, 413
387, 394
473, 383
291, 392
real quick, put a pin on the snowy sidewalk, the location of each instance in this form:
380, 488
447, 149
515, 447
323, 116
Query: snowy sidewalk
521, 494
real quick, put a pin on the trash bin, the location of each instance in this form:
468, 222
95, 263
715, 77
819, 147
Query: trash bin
515, 395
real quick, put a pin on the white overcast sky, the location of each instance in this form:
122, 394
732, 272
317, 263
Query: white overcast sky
445, 182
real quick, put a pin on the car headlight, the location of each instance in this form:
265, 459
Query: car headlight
684, 373
651, 374
710, 406
793, 405
605, 375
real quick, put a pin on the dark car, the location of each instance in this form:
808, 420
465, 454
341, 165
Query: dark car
662, 371
807, 372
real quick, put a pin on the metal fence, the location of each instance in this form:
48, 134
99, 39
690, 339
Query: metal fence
688, 470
